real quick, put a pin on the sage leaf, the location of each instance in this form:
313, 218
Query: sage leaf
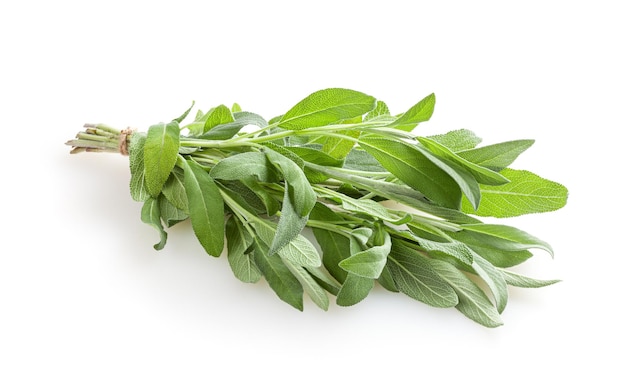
325, 107
526, 193
311, 287
494, 279
238, 240
517, 280
206, 207
299, 250
174, 190
507, 237
182, 117
170, 214
300, 191
458, 140
413, 168
473, 302
482, 174
290, 224
218, 115
138, 189
370, 262
160, 154
415, 277
420, 112
278, 276
496, 156
354, 289
150, 214
244, 165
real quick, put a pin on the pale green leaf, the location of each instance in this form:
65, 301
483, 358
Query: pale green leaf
290, 224
482, 174
415, 277
517, 280
174, 190
184, 115
420, 112
370, 262
160, 154
507, 237
299, 250
497, 156
138, 189
473, 302
170, 214
526, 193
150, 214
493, 279
238, 240
325, 107
457, 140
206, 207
278, 276
354, 289
311, 287
411, 166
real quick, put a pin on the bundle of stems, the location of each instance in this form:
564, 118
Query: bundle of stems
385, 205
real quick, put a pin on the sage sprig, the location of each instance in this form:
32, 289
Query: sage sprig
385, 205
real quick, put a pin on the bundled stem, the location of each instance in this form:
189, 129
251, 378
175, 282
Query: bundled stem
333, 163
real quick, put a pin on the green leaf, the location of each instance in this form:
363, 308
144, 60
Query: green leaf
311, 287
174, 190
278, 276
184, 115
235, 108
218, 115
300, 191
517, 280
160, 154
362, 161
150, 214
381, 109
313, 155
354, 289
138, 189
413, 168
526, 193
482, 246
415, 277
299, 250
206, 207
482, 174
457, 140
244, 165
506, 237
290, 224
335, 246
464, 179
229, 129
238, 240
496, 156
170, 214
420, 112
325, 107
473, 302
337, 147
493, 279
370, 262
454, 249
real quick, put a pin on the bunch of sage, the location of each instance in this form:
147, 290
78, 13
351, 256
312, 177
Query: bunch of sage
385, 205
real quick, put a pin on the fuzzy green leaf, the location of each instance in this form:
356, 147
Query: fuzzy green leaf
506, 237
415, 277
311, 287
174, 190
325, 107
206, 207
457, 140
410, 166
526, 193
370, 262
138, 189
517, 280
238, 240
160, 154
420, 112
496, 156
354, 289
473, 302
151, 215
278, 276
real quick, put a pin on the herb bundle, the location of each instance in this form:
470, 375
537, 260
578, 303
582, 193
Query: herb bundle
384, 204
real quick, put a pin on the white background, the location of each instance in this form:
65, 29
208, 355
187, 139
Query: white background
85, 301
